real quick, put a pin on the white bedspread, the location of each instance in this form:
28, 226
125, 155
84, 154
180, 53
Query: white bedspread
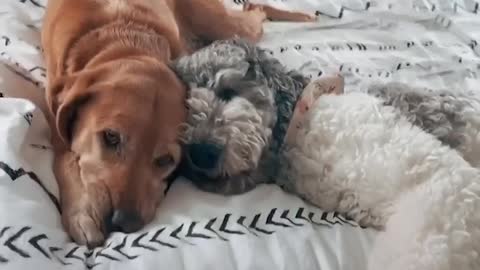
431, 43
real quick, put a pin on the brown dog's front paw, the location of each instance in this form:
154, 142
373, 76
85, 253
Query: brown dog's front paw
254, 24
276, 14
84, 229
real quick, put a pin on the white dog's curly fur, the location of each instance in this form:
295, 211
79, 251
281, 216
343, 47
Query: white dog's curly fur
362, 158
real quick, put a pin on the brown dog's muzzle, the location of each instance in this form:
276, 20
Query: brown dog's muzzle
126, 221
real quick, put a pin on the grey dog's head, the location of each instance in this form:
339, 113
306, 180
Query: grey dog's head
233, 113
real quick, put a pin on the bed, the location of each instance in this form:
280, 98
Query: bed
432, 43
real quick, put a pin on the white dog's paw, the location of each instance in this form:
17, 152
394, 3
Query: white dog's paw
366, 219
348, 202
350, 206
372, 221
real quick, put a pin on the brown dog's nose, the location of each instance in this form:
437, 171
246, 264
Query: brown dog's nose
126, 221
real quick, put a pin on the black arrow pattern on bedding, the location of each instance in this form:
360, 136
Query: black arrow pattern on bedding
136, 243
443, 21
241, 221
299, 215
2, 232
416, 5
53, 251
23, 75
270, 220
473, 9
323, 218
88, 259
28, 117
208, 227
34, 241
193, 234
42, 70
34, 2
6, 40
15, 174
254, 225
10, 243
285, 216
91, 266
175, 234
260, 224
343, 220
88, 253
119, 248
360, 46
342, 10
26, 73
102, 253
223, 226
71, 254
473, 44
158, 241
3, 259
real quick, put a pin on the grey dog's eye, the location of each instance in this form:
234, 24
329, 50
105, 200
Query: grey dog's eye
163, 161
227, 94
111, 138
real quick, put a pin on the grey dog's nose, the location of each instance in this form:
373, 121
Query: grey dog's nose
204, 155
126, 221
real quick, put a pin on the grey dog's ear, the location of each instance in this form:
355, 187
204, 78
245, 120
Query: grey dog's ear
228, 77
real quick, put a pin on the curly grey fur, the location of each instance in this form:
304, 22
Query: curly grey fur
242, 99
439, 113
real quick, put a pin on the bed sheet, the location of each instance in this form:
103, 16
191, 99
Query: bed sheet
429, 43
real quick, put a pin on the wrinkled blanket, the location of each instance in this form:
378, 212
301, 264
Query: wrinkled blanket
433, 43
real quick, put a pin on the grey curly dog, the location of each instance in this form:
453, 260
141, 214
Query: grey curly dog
240, 103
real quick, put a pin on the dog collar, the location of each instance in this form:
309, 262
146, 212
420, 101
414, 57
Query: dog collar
329, 85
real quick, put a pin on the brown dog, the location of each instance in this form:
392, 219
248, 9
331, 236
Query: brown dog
115, 107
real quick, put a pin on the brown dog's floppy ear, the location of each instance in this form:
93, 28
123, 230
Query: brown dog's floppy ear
63, 103
67, 114
56, 93
164, 51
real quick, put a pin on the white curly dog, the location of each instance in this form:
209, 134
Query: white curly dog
362, 158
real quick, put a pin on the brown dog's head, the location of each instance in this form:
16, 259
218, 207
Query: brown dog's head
122, 121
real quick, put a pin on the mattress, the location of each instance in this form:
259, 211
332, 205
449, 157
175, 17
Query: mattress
429, 43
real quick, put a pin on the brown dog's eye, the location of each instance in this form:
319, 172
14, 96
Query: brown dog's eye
111, 138
163, 161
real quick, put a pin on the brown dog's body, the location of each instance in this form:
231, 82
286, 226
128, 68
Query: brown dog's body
115, 106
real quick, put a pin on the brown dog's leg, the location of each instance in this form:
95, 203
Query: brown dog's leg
213, 21
276, 14
80, 214
209, 20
